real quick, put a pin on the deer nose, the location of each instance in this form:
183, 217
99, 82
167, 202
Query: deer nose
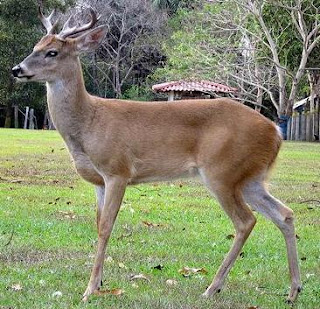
16, 70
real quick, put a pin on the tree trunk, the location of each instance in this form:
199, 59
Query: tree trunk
314, 81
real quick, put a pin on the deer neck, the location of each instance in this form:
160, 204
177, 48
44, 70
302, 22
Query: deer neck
69, 102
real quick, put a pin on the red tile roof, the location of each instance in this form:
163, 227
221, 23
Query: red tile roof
202, 86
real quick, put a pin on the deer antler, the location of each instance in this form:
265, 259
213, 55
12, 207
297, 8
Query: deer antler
47, 21
68, 31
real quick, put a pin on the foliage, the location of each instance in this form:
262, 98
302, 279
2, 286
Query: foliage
188, 48
130, 51
19, 31
138, 93
173, 5
227, 41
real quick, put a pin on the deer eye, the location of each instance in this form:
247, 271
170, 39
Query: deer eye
51, 53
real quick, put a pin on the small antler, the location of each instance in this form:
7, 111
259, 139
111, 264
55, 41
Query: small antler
47, 21
68, 31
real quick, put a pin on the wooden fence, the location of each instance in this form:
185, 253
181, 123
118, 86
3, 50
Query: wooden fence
304, 125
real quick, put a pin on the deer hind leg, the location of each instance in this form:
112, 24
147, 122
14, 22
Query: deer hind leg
243, 220
256, 195
114, 191
100, 192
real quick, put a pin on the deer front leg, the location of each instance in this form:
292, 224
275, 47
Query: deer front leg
114, 191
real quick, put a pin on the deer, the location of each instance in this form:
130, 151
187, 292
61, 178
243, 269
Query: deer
116, 143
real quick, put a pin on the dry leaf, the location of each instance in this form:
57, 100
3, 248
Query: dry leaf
254, 307
16, 181
150, 224
159, 267
121, 265
187, 271
230, 236
109, 259
129, 234
57, 294
140, 276
171, 282
67, 214
116, 292
16, 287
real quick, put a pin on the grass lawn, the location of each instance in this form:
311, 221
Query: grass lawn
48, 236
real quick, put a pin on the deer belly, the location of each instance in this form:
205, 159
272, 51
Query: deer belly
164, 172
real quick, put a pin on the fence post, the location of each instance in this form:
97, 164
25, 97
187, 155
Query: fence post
16, 116
26, 118
289, 129
303, 135
308, 127
31, 119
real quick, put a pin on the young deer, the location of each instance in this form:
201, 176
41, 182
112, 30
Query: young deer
116, 143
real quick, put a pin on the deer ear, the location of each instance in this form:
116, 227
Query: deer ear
91, 40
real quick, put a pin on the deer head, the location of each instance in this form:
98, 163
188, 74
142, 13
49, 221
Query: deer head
54, 54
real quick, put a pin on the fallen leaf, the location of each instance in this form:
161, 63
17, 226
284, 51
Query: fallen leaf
150, 224
171, 282
16, 181
139, 277
109, 259
121, 265
254, 307
125, 235
67, 214
16, 287
57, 294
159, 267
116, 292
187, 271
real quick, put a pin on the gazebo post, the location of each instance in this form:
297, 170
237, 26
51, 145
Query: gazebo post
171, 96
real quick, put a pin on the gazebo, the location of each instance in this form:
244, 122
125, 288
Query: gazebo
192, 89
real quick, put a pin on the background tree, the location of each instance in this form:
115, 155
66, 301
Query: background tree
19, 31
131, 49
261, 47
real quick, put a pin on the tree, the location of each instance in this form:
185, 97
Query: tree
262, 47
131, 48
20, 30
304, 24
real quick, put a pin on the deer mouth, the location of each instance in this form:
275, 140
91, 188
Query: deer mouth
24, 77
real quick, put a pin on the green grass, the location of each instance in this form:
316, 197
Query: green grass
48, 235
